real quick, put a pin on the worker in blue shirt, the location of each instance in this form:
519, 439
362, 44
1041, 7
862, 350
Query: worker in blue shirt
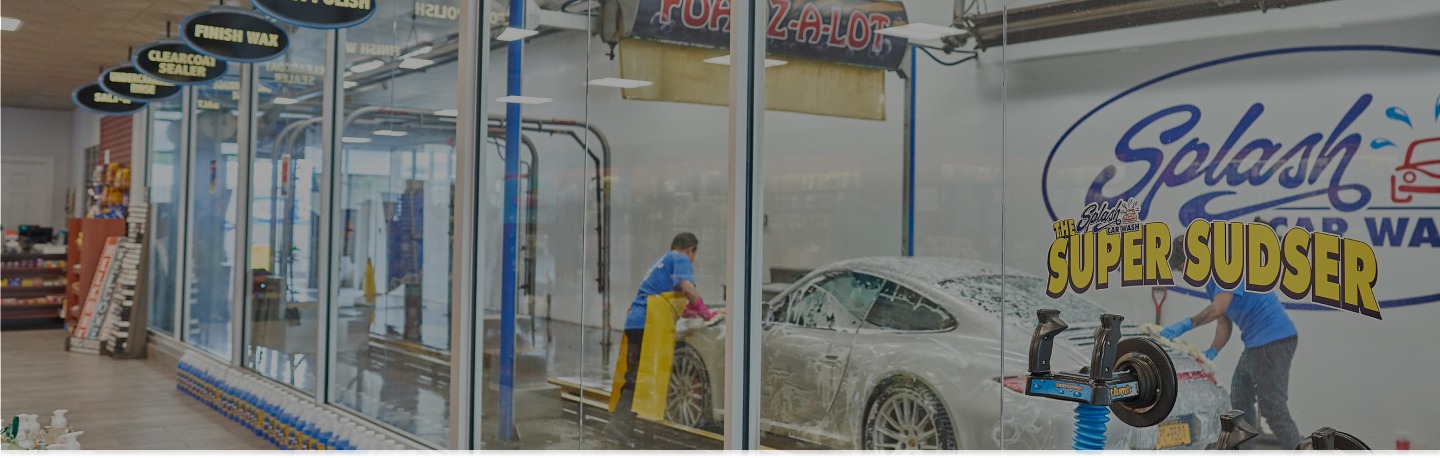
1269, 337
673, 271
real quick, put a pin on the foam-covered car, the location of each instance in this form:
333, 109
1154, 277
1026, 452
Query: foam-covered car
906, 353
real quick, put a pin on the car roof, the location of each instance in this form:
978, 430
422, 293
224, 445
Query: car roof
927, 271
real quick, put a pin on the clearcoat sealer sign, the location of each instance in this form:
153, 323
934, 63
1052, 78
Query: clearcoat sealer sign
1353, 164
171, 60
234, 34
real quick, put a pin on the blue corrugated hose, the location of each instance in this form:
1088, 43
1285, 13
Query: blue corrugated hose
1090, 426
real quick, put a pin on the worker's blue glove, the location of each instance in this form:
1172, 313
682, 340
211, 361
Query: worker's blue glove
1211, 354
1174, 330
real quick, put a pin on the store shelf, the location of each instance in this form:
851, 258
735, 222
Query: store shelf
17, 271
8, 290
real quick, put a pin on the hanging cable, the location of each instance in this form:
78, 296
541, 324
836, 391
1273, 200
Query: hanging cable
947, 64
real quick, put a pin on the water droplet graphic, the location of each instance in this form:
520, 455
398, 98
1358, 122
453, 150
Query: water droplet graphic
1399, 114
1381, 143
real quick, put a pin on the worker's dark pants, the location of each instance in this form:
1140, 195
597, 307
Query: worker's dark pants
633, 338
1264, 373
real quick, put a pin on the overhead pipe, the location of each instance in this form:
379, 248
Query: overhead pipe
1076, 17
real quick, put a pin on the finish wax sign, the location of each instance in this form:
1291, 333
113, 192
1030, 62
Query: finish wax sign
125, 81
234, 34
94, 98
828, 30
170, 60
1344, 171
318, 14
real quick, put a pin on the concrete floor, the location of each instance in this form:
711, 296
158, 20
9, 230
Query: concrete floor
120, 404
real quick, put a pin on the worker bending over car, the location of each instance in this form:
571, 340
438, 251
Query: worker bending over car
671, 272
1269, 336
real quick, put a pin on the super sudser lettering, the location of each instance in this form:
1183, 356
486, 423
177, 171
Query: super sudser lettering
1190, 158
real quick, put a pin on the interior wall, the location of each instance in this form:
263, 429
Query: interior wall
41, 133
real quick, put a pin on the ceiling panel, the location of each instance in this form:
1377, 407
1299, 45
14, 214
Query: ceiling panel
64, 43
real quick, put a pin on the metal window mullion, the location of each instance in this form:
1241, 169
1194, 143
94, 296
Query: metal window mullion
182, 213
465, 382
747, 111
329, 158
239, 271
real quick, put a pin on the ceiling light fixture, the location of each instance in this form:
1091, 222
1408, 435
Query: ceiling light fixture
390, 133
620, 83
367, 66
725, 60
524, 99
288, 115
350, 84
355, 139
920, 31
447, 112
418, 51
285, 101
414, 63
512, 34
10, 24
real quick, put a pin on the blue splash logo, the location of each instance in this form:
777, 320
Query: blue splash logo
1324, 153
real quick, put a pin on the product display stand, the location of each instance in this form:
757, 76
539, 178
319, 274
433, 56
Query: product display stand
86, 244
105, 323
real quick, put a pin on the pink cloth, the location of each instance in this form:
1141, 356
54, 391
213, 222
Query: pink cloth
698, 308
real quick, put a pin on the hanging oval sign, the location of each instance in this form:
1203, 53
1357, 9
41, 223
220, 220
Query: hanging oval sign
318, 14
170, 60
94, 98
234, 34
126, 82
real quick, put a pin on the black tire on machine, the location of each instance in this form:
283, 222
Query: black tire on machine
1152, 366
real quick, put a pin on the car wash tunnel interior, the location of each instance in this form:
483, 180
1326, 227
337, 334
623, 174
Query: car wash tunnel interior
451, 224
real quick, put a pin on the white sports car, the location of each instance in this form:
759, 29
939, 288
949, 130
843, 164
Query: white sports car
906, 353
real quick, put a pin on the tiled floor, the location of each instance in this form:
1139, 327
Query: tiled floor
120, 404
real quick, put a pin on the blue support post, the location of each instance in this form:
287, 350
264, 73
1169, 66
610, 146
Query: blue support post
512, 210
909, 206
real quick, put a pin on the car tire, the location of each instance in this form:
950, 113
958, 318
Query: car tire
687, 402
905, 414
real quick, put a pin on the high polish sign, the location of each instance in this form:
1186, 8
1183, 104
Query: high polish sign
1356, 161
827, 30
94, 98
234, 34
127, 82
170, 60
318, 14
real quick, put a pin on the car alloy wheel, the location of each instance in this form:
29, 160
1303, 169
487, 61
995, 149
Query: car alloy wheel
688, 400
906, 415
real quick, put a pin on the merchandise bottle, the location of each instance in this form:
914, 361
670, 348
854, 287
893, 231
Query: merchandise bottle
58, 421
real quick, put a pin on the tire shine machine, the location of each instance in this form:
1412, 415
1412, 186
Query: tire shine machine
1132, 378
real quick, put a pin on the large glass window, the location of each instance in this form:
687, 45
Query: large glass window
605, 179
167, 177
284, 213
881, 179
1221, 117
393, 218
210, 244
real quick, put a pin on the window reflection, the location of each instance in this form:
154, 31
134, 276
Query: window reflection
210, 243
284, 219
167, 135
393, 218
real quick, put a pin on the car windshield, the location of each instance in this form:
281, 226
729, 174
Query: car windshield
1022, 295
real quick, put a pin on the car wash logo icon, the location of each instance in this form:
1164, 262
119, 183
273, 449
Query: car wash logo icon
1319, 152
1420, 171
1100, 216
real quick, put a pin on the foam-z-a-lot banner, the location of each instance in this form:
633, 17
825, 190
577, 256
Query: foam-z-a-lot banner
827, 30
